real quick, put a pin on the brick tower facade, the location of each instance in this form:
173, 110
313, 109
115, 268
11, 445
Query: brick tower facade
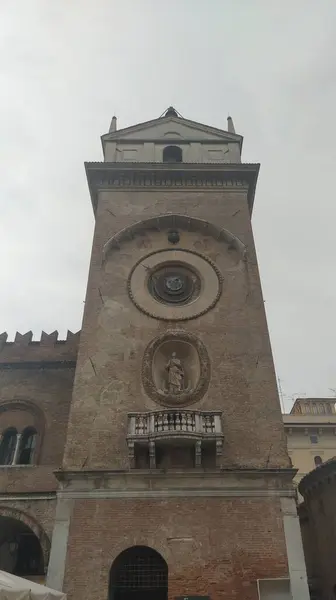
175, 479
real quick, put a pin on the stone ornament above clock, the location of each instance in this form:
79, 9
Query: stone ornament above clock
174, 285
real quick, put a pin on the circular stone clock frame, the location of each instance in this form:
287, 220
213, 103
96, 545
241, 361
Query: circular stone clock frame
201, 266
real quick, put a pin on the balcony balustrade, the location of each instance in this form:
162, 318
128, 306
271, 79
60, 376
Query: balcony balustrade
169, 425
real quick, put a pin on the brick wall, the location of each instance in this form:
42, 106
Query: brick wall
227, 544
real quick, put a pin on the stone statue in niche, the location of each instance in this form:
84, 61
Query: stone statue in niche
175, 375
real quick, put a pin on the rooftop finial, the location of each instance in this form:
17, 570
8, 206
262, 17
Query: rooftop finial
230, 125
171, 112
113, 126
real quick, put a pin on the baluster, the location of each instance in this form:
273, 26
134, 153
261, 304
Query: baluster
205, 423
208, 424
141, 425
190, 422
171, 421
159, 422
178, 421
165, 422
183, 422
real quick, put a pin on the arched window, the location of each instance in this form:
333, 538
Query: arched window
27, 447
317, 460
139, 572
172, 154
8, 446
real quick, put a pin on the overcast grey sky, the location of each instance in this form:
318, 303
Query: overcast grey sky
67, 65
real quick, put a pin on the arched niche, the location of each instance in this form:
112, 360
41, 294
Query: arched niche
176, 369
187, 367
175, 222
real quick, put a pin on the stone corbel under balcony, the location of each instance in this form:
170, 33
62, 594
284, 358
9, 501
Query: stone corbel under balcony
171, 426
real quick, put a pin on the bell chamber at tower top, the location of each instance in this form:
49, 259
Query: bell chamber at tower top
172, 139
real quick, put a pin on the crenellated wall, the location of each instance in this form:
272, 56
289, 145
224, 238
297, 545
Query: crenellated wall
48, 349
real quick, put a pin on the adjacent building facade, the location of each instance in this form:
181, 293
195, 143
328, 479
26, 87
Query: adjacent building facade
175, 478
311, 434
318, 525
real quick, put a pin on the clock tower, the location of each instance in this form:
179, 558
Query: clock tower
175, 479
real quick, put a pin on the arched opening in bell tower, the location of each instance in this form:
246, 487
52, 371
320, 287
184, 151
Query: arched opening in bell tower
139, 573
172, 154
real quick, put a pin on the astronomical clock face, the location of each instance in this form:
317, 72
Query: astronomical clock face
174, 285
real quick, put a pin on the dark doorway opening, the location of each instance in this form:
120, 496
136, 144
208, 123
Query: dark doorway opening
20, 550
139, 573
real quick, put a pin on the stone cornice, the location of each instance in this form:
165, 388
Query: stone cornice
69, 474
172, 484
35, 365
210, 176
183, 493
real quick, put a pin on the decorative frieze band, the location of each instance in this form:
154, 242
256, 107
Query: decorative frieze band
155, 180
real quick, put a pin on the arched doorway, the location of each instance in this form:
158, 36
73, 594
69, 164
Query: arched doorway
139, 573
20, 549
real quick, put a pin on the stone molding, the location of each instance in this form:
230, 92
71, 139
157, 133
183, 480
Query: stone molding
156, 483
188, 312
185, 493
209, 176
186, 398
175, 222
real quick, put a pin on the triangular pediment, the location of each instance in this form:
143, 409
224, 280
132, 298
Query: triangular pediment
172, 128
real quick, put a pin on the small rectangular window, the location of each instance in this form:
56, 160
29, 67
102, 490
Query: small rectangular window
313, 439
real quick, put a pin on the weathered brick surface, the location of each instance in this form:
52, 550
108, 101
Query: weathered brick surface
226, 545
115, 334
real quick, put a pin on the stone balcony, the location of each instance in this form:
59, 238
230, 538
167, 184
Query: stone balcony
169, 426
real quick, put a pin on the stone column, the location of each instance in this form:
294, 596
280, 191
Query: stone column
152, 457
198, 453
58, 552
17, 448
296, 561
